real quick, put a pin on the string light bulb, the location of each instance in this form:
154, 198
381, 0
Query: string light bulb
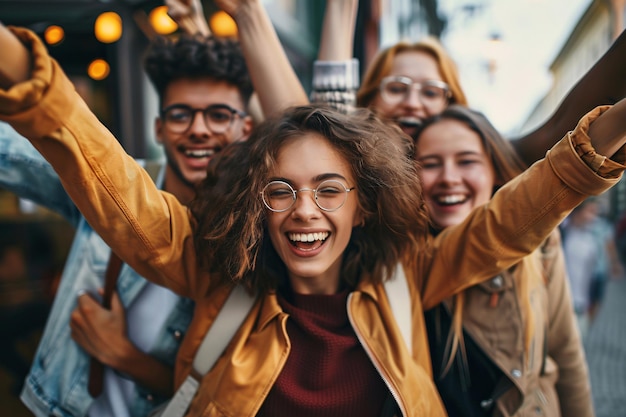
108, 27
222, 24
98, 69
54, 34
161, 21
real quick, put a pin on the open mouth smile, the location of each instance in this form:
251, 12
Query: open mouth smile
197, 153
451, 199
409, 122
308, 241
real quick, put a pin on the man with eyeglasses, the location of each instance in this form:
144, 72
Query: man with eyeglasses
203, 87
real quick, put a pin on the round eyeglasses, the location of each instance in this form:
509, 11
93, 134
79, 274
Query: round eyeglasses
330, 195
431, 93
218, 118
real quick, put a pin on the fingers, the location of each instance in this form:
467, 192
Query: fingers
116, 303
85, 298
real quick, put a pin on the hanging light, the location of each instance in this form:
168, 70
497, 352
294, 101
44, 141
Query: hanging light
222, 24
54, 34
161, 21
108, 27
98, 69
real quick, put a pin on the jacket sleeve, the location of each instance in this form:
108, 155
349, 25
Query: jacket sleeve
26, 173
564, 344
149, 229
519, 216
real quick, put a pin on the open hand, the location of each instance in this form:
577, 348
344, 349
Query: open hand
189, 15
232, 7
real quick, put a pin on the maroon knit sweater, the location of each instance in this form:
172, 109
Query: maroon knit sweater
327, 372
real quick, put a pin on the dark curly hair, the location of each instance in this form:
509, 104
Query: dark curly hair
231, 237
196, 56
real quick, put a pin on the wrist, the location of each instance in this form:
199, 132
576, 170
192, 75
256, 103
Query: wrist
248, 13
336, 75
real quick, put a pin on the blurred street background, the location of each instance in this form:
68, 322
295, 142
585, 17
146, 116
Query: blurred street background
517, 60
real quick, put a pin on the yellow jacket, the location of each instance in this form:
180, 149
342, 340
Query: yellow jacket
152, 232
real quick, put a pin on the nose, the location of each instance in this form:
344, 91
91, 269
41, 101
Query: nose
305, 208
413, 99
450, 174
198, 127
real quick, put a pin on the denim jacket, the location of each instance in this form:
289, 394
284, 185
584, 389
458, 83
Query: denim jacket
57, 383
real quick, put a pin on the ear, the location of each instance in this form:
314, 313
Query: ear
158, 129
359, 219
246, 128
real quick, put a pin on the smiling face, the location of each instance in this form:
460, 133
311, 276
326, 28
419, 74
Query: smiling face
188, 153
419, 67
457, 173
309, 240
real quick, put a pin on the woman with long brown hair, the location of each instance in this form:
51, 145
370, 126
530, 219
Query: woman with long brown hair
508, 346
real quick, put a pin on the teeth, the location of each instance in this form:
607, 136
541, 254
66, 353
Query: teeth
307, 237
410, 121
199, 153
451, 199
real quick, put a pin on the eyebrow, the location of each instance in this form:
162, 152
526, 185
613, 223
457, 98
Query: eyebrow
464, 153
317, 178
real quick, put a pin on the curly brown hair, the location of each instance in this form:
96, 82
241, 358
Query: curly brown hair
231, 236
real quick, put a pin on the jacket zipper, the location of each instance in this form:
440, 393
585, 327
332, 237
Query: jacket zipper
374, 361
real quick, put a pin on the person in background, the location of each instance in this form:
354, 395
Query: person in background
608, 266
586, 242
409, 81
620, 239
508, 346
203, 88
327, 208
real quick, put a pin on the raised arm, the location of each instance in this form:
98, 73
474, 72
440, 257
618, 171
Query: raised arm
587, 161
604, 83
273, 77
608, 132
189, 15
336, 72
337, 40
149, 229
18, 68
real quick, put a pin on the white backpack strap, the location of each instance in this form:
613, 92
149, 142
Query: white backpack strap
228, 321
400, 300
224, 327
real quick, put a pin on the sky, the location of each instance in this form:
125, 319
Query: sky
531, 34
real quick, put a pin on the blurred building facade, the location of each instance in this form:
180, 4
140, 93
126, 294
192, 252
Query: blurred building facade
591, 37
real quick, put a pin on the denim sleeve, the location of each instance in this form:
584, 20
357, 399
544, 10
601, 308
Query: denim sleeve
26, 173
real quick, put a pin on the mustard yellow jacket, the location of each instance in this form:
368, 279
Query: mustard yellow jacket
153, 232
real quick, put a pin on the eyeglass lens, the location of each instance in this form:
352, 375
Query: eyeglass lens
330, 195
431, 93
217, 119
